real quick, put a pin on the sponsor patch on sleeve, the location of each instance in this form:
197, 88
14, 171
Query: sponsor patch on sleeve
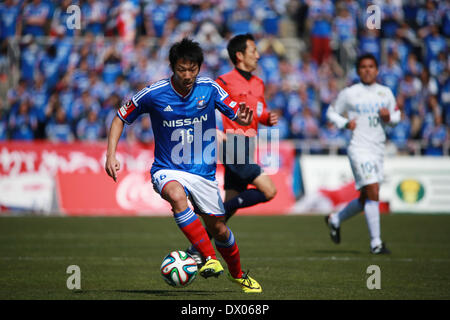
126, 109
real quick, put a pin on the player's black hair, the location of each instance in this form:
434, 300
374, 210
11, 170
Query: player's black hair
186, 49
365, 56
238, 44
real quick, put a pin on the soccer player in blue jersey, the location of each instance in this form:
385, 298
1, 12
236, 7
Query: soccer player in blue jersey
182, 111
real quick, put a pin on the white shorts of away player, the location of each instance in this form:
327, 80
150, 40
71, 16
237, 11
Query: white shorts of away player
202, 192
367, 168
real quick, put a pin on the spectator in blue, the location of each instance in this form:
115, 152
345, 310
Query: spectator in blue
331, 136
434, 43
64, 48
184, 10
94, 14
23, 124
121, 86
80, 76
49, 66
369, 42
143, 131
81, 107
112, 65
391, 73
3, 123
438, 67
445, 9
65, 94
59, 24
17, 95
35, 15
241, 18
9, 19
58, 128
158, 16
321, 14
275, 97
40, 98
270, 17
29, 57
444, 99
392, 15
430, 109
269, 63
344, 36
413, 65
427, 16
97, 88
207, 11
402, 43
304, 125
435, 136
89, 128
408, 89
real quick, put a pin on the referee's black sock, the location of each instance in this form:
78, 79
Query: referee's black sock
245, 199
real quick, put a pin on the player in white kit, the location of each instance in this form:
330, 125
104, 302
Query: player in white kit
368, 107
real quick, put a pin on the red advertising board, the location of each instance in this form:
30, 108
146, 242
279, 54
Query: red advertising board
81, 186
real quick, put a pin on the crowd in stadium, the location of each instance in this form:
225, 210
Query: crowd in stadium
71, 79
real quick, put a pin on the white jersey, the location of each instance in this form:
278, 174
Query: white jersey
363, 102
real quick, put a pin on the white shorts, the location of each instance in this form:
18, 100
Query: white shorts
367, 168
203, 193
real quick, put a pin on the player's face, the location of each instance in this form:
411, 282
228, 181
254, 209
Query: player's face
250, 56
185, 74
368, 71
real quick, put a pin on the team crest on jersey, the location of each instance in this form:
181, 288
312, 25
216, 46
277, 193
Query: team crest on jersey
201, 103
381, 93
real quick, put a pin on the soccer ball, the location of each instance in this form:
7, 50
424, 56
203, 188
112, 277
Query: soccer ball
178, 269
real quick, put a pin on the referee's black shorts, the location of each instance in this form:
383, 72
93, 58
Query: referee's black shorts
239, 176
240, 167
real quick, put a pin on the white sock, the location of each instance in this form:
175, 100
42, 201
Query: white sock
372, 213
352, 208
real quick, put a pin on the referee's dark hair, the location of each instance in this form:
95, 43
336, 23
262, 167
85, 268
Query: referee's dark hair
186, 49
238, 44
365, 56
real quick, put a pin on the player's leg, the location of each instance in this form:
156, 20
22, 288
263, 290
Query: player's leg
242, 176
206, 195
225, 242
228, 248
370, 196
186, 219
230, 194
334, 220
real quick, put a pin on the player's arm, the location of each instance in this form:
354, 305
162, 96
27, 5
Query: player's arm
244, 115
125, 115
391, 115
268, 118
335, 111
112, 165
241, 113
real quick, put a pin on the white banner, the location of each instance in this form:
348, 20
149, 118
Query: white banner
411, 184
28, 192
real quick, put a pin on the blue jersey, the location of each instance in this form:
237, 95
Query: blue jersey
183, 127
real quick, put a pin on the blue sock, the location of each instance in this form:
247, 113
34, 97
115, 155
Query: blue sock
245, 199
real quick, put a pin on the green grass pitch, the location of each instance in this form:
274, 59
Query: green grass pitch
291, 256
